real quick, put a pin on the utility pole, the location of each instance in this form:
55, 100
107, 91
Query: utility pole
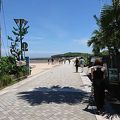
0, 28
20, 25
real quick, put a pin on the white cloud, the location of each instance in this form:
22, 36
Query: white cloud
35, 38
5, 52
39, 54
54, 28
82, 41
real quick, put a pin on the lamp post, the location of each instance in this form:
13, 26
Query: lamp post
21, 23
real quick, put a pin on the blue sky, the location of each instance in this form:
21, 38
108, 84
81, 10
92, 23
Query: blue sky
56, 26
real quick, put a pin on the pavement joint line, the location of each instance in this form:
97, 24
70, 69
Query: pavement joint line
11, 101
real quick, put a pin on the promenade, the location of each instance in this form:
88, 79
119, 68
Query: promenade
55, 94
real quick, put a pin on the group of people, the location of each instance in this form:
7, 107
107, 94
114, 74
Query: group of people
52, 61
79, 62
61, 61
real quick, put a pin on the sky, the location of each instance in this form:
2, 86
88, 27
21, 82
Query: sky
56, 26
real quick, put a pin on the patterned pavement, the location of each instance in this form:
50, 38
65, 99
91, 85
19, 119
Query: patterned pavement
56, 94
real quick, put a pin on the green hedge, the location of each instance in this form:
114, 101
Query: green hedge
10, 72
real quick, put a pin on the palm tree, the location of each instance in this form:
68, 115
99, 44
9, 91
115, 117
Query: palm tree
96, 40
108, 33
110, 26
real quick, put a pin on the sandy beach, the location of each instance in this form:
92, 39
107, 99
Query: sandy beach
40, 67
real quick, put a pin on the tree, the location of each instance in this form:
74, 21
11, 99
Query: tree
96, 40
110, 25
19, 33
108, 33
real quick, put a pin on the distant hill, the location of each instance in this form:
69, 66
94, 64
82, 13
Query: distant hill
71, 54
66, 55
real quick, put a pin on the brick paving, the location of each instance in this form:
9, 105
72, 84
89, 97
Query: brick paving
56, 94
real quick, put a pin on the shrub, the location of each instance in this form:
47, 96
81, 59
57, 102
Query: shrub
9, 71
7, 65
5, 80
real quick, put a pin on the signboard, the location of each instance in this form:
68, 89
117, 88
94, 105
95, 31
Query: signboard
24, 46
27, 61
21, 63
113, 74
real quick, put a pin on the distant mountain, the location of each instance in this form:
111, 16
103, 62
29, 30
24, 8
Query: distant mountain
72, 54
66, 55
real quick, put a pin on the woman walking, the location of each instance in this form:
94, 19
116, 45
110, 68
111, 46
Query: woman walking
76, 64
98, 76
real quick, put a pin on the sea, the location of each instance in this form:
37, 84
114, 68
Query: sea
39, 60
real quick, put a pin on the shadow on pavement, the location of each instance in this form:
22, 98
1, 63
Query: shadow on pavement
54, 94
111, 114
110, 111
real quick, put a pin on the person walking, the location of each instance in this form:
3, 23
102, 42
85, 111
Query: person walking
52, 60
77, 64
82, 63
69, 61
48, 61
98, 79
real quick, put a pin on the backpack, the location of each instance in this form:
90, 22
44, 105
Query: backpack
98, 76
81, 62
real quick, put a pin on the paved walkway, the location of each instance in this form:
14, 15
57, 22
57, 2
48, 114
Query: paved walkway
56, 94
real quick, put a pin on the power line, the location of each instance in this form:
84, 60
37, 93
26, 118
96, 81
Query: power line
4, 47
5, 30
0, 28
1, 41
